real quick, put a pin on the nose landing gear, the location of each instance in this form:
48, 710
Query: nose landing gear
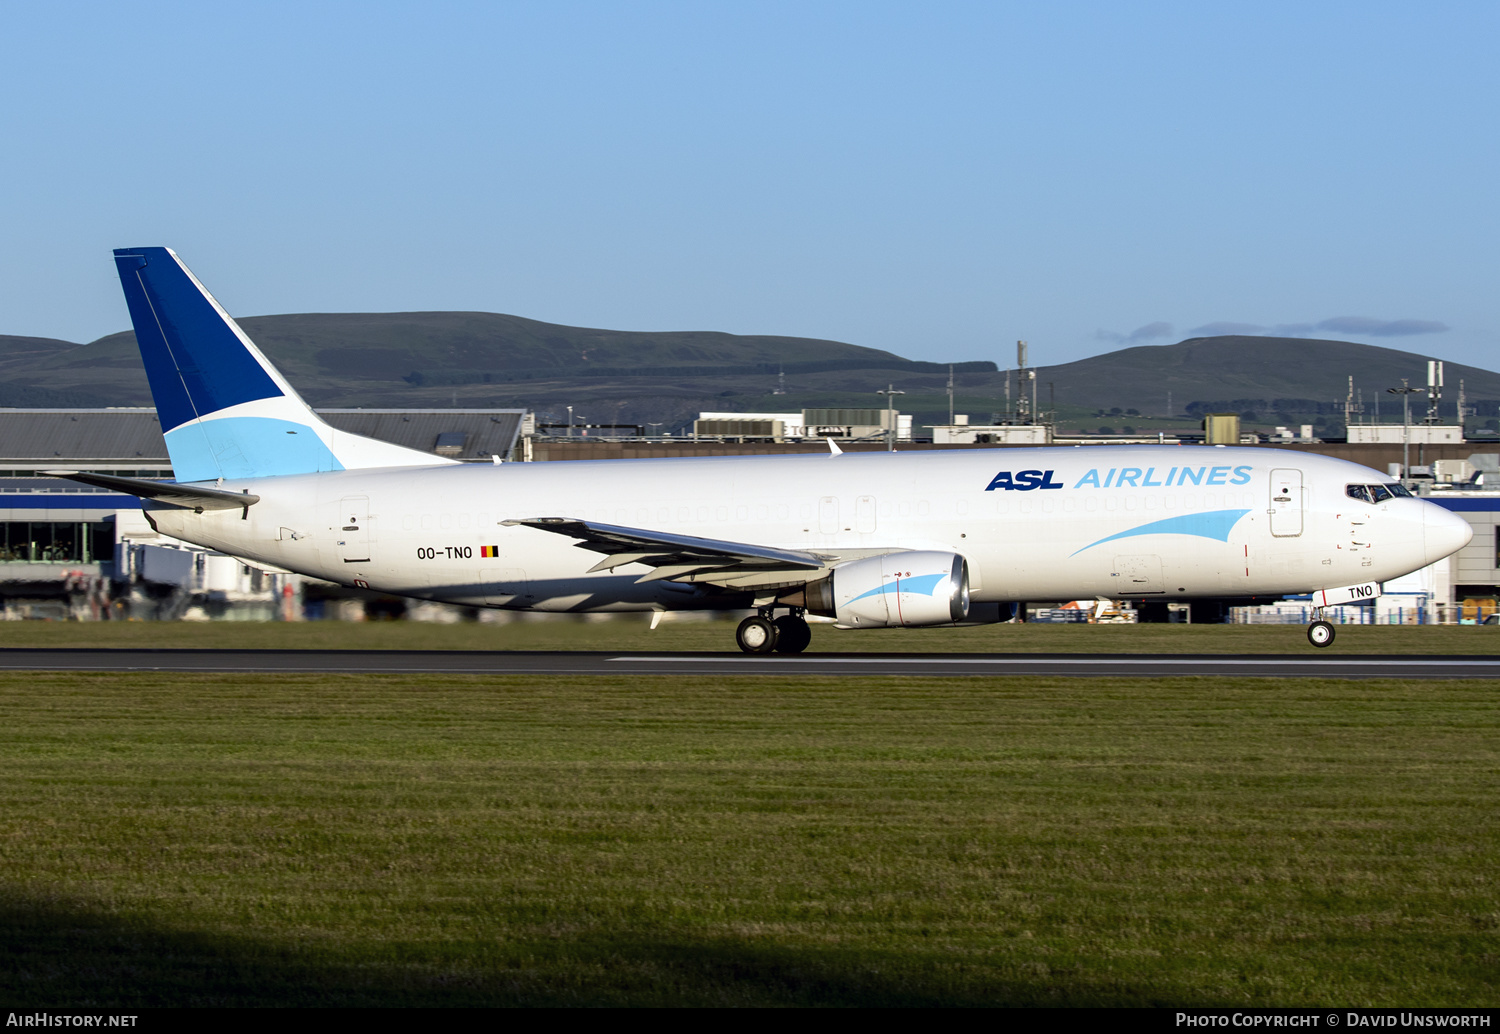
786, 634
1320, 633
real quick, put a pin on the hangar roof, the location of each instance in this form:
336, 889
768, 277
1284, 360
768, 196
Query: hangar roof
55, 437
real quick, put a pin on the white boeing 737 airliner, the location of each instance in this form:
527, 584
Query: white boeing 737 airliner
872, 539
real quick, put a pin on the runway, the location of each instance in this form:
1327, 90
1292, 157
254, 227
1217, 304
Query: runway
866, 665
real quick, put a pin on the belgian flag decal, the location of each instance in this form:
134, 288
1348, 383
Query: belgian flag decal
489, 550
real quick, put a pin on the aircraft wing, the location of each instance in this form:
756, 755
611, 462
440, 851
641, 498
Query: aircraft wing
190, 497
685, 558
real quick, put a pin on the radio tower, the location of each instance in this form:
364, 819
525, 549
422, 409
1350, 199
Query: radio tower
1023, 404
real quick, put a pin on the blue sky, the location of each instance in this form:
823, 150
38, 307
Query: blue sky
937, 179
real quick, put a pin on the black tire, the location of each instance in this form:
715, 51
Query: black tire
756, 635
792, 634
1320, 634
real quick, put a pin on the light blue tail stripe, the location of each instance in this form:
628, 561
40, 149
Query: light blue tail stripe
246, 447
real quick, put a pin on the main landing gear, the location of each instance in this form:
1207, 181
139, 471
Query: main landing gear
786, 634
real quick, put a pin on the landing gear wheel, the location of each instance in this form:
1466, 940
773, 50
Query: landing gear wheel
1320, 633
792, 634
756, 635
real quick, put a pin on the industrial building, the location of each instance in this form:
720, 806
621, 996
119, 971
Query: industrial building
843, 424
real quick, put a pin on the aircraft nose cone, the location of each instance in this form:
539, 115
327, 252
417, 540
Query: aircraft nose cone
1444, 533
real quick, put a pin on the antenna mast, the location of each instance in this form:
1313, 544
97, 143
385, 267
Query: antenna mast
1024, 406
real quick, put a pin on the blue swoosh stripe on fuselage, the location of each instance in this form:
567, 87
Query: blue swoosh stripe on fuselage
1215, 524
923, 584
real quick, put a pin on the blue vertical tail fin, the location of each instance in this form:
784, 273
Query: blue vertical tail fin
224, 409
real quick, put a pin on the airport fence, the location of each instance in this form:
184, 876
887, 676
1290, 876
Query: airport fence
1416, 614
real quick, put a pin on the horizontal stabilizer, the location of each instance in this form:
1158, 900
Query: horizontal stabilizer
190, 497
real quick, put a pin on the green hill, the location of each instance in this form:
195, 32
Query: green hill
1219, 371
341, 358
426, 359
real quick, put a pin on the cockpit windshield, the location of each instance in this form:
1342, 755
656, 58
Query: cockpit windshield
1376, 493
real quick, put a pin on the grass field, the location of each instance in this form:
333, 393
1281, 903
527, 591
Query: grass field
341, 840
632, 634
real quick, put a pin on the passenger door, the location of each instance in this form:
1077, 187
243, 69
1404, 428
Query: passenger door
1286, 503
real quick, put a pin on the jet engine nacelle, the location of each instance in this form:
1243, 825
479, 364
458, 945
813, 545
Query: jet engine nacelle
907, 589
